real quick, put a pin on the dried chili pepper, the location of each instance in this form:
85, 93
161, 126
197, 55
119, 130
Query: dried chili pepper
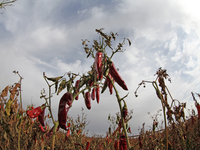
98, 93
77, 88
114, 73
116, 145
125, 110
109, 83
198, 109
122, 143
88, 100
87, 145
33, 113
50, 133
64, 105
98, 64
41, 116
93, 94
67, 135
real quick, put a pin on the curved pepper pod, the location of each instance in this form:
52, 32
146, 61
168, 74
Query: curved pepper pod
98, 93
33, 113
41, 116
64, 105
98, 64
77, 88
114, 73
88, 100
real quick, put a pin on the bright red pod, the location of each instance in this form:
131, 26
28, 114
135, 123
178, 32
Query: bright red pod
98, 93
88, 100
33, 113
114, 73
98, 64
42, 129
77, 88
116, 145
64, 105
93, 94
87, 145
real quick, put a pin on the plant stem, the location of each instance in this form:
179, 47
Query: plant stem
122, 118
54, 134
164, 114
19, 133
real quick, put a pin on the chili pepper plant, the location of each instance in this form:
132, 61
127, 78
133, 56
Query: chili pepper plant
103, 74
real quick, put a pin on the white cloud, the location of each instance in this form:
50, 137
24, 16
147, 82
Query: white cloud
46, 37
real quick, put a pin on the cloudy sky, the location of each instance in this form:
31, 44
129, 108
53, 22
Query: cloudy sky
39, 36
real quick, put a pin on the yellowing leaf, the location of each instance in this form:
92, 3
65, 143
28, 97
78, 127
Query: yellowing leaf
8, 104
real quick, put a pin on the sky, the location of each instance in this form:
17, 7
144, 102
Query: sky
46, 35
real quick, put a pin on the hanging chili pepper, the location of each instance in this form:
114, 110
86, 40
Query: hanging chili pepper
87, 145
109, 83
93, 94
122, 143
77, 88
42, 129
125, 110
33, 113
98, 93
114, 73
88, 100
98, 64
116, 145
64, 105
41, 116
67, 135
50, 133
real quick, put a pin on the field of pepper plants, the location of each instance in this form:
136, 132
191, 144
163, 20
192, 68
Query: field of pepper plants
28, 128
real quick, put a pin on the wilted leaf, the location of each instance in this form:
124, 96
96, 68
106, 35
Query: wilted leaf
54, 79
62, 85
5, 91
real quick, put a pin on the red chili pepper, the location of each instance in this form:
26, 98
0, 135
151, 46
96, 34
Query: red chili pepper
41, 116
77, 88
140, 141
87, 145
50, 133
116, 145
125, 110
129, 130
42, 129
67, 135
109, 83
98, 64
64, 105
122, 143
198, 109
114, 73
33, 113
93, 94
98, 93
88, 100
90, 83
